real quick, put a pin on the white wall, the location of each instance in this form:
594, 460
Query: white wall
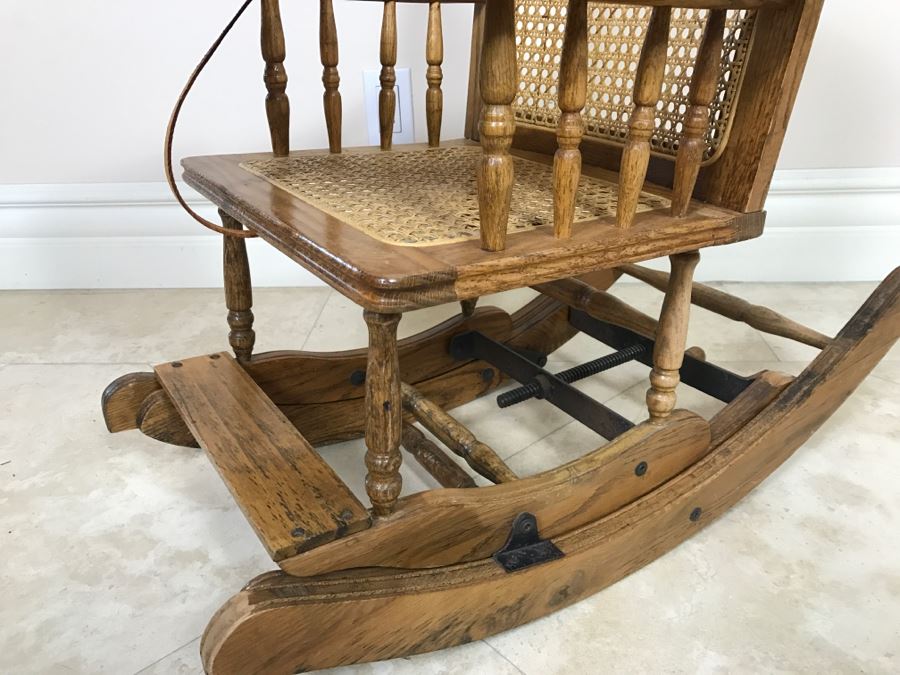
87, 87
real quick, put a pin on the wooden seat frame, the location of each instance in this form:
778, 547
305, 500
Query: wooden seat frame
461, 562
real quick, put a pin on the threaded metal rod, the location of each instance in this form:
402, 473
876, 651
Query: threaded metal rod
579, 372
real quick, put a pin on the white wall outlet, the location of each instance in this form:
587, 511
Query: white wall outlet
404, 129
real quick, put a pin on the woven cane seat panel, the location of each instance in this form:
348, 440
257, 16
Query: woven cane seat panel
615, 37
427, 197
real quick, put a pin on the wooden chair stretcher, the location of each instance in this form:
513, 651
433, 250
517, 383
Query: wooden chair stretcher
568, 177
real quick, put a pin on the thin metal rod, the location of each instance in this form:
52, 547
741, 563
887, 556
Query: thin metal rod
534, 389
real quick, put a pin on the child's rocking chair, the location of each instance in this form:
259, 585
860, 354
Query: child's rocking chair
598, 136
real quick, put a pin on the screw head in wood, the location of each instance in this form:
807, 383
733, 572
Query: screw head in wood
358, 378
346, 515
640, 469
298, 532
176, 364
215, 356
695, 514
487, 375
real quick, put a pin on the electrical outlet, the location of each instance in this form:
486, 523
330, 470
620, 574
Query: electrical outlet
404, 129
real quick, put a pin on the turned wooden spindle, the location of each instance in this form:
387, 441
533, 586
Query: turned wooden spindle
387, 98
732, 307
238, 291
696, 119
384, 413
671, 335
572, 93
647, 87
498, 88
480, 456
278, 108
328, 49
434, 460
434, 55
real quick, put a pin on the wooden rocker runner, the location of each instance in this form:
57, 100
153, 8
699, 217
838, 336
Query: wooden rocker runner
598, 136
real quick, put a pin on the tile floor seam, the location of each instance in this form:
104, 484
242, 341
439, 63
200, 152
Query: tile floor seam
315, 322
165, 656
504, 657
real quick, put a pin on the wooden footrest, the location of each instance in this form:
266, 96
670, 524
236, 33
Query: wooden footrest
292, 498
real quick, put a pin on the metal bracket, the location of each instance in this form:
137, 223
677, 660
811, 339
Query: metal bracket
524, 547
594, 415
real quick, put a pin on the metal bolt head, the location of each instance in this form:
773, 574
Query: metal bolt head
640, 469
215, 356
176, 364
346, 515
695, 514
298, 532
487, 375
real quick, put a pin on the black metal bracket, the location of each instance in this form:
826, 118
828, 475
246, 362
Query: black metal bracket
706, 377
594, 415
524, 546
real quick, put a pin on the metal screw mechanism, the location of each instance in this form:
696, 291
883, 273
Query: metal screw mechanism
695, 514
534, 389
640, 469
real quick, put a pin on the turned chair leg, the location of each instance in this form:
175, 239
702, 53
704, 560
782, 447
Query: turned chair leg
238, 291
384, 413
671, 337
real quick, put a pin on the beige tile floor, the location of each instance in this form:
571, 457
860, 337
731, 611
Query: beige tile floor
117, 549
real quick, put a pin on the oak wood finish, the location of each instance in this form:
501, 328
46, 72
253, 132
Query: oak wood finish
238, 291
749, 403
158, 418
455, 436
328, 51
277, 619
572, 93
290, 496
668, 350
599, 304
383, 277
387, 97
498, 88
278, 108
434, 460
740, 178
434, 56
123, 397
289, 377
467, 525
647, 84
295, 378
696, 119
383, 413
735, 308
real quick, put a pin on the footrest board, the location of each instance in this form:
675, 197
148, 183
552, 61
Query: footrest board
292, 498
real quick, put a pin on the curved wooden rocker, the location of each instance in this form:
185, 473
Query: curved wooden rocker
598, 189
276, 624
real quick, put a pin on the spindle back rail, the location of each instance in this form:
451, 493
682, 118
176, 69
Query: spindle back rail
649, 89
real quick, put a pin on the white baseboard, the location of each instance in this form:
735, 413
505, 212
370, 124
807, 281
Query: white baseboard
823, 225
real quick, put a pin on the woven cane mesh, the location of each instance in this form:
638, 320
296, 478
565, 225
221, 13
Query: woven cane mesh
615, 37
427, 197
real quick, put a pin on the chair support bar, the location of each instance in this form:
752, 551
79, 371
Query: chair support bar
706, 377
474, 345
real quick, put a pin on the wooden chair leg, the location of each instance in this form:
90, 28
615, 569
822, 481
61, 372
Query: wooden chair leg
238, 291
671, 336
384, 413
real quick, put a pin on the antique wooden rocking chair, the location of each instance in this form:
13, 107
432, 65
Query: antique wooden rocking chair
598, 136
